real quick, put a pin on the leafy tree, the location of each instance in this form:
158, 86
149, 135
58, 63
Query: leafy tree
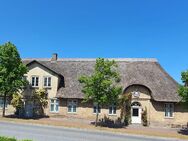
12, 71
40, 100
183, 89
101, 87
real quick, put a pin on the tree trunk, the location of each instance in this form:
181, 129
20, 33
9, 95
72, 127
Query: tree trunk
97, 116
4, 104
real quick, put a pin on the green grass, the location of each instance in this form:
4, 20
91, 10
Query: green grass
10, 139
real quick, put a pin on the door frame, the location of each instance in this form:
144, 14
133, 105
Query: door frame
139, 117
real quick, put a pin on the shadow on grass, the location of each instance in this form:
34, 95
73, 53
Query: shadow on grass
21, 117
110, 125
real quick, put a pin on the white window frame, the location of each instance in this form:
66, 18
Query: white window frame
114, 109
56, 104
1, 103
170, 109
47, 77
73, 104
34, 76
95, 105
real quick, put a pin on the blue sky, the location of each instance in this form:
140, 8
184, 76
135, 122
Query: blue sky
99, 28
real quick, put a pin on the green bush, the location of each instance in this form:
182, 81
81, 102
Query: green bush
7, 139
10, 139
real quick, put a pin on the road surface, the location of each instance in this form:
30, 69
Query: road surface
51, 133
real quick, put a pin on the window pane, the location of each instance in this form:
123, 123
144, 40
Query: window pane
69, 108
110, 110
33, 81
45, 81
57, 108
52, 107
135, 112
37, 81
114, 110
94, 109
74, 109
99, 109
57, 102
49, 81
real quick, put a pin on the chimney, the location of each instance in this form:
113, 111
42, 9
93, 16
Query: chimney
54, 57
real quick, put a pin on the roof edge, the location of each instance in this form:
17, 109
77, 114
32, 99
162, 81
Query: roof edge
94, 59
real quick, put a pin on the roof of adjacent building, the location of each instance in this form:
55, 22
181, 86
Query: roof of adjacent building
133, 71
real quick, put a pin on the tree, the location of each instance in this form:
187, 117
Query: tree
101, 87
12, 71
183, 89
40, 100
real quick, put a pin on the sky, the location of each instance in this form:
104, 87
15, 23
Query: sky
99, 28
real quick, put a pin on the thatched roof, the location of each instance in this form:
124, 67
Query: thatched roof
146, 72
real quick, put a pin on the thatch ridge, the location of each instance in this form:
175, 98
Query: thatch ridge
142, 71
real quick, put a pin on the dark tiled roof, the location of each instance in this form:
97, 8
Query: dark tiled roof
145, 72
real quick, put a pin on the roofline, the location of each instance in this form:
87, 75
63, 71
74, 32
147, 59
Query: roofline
94, 59
36, 61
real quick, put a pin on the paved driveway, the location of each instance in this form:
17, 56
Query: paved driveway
50, 133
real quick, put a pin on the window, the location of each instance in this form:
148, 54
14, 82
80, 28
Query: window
135, 112
35, 81
112, 109
2, 103
47, 81
96, 108
54, 105
169, 110
72, 104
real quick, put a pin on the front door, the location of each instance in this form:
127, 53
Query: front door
136, 114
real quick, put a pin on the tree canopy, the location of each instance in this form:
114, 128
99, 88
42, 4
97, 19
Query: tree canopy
183, 89
12, 71
101, 87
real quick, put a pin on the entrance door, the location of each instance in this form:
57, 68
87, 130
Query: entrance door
136, 114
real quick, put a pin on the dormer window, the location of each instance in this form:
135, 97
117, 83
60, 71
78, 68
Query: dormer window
47, 81
34, 81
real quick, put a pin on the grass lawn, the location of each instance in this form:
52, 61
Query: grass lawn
10, 139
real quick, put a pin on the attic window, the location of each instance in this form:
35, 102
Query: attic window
47, 81
34, 81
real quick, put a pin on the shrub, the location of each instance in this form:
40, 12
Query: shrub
145, 117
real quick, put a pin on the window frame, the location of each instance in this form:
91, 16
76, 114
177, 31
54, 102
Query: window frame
114, 108
171, 109
56, 104
72, 103
47, 81
35, 76
98, 108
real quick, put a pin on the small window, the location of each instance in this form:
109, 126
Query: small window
72, 105
135, 112
96, 108
169, 110
35, 81
112, 109
54, 105
47, 81
2, 103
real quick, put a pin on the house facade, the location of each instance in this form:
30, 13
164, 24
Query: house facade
150, 86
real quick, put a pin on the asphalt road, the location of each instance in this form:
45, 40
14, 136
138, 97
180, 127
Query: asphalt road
50, 133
